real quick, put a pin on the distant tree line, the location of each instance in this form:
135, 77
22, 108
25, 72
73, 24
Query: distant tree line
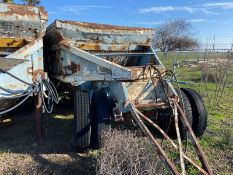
27, 2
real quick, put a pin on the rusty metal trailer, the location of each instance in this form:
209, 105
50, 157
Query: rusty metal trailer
21, 57
111, 70
114, 71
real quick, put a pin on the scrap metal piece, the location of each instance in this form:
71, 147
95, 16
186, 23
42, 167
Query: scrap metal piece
196, 144
157, 127
21, 21
179, 141
38, 116
147, 132
12, 42
98, 37
22, 29
137, 116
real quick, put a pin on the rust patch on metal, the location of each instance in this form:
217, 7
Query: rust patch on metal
25, 10
89, 46
64, 44
96, 46
97, 37
39, 72
139, 72
21, 21
150, 105
11, 42
73, 67
106, 26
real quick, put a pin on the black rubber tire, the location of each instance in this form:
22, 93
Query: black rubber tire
188, 112
199, 112
101, 117
82, 120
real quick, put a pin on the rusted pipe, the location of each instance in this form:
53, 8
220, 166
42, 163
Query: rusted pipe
197, 146
38, 117
195, 165
150, 105
157, 127
169, 139
146, 131
179, 141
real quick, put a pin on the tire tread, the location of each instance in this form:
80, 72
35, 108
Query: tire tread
200, 115
82, 119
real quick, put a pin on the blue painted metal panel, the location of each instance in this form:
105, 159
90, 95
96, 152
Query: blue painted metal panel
111, 57
27, 23
32, 55
90, 36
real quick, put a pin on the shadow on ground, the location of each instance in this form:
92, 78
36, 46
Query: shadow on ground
20, 153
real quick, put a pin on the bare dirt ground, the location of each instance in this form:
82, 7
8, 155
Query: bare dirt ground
21, 154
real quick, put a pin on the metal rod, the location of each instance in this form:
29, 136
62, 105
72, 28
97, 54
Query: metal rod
197, 146
157, 127
179, 141
149, 105
38, 117
168, 138
195, 165
146, 131
124, 54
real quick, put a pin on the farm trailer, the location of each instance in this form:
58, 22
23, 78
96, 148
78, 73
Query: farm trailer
113, 71
21, 57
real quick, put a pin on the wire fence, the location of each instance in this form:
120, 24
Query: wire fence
209, 71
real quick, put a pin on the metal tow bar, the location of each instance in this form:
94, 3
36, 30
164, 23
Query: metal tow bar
139, 117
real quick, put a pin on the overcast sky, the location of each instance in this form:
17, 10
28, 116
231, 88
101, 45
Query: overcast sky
208, 18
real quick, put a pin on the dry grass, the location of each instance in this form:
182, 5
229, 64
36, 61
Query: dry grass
127, 152
20, 154
59, 164
122, 152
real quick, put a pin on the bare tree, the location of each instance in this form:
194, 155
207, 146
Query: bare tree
7, 1
174, 35
32, 2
